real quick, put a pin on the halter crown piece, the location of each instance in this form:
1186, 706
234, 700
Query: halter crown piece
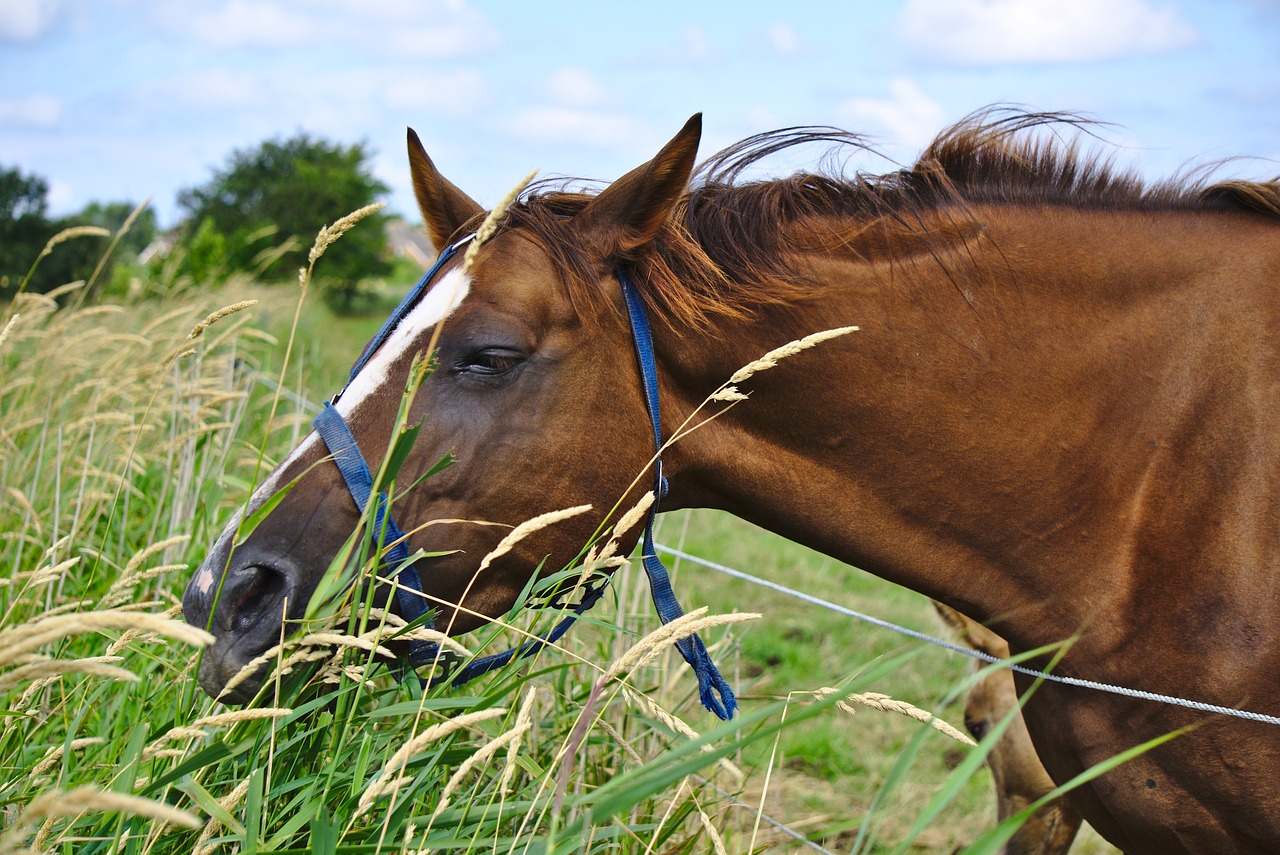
346, 454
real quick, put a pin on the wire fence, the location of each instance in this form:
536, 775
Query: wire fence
968, 651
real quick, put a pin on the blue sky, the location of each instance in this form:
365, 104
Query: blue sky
125, 99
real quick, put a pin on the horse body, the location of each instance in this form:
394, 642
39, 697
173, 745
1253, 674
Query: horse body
1059, 417
1064, 453
1084, 446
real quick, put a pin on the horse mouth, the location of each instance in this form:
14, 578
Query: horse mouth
221, 665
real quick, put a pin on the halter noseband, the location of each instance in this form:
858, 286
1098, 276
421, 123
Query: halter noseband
342, 445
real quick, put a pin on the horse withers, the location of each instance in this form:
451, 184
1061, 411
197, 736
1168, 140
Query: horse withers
1061, 417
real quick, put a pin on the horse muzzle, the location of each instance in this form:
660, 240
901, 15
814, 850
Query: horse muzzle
244, 600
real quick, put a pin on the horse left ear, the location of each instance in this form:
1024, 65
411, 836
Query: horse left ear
629, 212
445, 208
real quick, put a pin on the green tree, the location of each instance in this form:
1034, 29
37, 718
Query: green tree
289, 189
80, 259
23, 225
25, 228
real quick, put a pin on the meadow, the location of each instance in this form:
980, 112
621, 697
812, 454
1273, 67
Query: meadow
131, 431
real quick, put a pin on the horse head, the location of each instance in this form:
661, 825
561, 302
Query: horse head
535, 395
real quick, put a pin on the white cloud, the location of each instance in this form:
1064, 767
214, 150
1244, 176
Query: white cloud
399, 28
990, 32
31, 111
216, 88
244, 23
783, 40
910, 116
762, 118
573, 126
61, 196
456, 92
697, 46
576, 87
27, 20
467, 35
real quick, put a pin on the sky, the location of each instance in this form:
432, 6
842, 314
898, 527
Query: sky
121, 100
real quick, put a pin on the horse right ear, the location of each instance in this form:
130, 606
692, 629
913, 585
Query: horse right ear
629, 212
445, 209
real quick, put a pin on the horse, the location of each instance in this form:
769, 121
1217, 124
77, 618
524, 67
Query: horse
1020, 778
1060, 416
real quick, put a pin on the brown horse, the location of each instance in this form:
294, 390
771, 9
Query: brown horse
1019, 776
1061, 417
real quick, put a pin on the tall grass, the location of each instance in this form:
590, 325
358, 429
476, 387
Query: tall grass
128, 435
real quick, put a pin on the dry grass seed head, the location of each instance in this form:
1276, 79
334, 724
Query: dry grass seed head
382, 782
490, 224
652, 709
87, 799
885, 703
527, 528
481, 755
524, 723
773, 357
717, 842
605, 557
8, 328
28, 637
145, 553
195, 730
251, 667
98, 666
338, 639
657, 641
228, 803
56, 752
68, 234
329, 234
213, 318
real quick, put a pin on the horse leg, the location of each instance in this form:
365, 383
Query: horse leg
1020, 778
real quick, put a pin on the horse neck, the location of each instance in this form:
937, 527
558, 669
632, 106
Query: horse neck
986, 437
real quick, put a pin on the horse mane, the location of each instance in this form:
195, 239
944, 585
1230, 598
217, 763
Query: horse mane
732, 244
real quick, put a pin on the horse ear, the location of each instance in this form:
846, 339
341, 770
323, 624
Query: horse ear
444, 207
629, 212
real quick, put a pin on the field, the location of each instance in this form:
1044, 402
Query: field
130, 433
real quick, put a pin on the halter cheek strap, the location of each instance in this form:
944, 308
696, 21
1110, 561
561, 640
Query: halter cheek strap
344, 449
714, 692
355, 472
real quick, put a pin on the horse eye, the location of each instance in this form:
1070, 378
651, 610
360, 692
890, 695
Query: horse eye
491, 361
977, 728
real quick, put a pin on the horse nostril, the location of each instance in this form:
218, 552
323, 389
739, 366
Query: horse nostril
248, 589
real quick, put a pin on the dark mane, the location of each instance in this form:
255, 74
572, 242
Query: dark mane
733, 242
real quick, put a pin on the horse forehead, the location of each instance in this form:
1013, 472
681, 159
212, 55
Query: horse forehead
515, 273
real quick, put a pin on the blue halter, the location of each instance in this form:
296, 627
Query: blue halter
355, 471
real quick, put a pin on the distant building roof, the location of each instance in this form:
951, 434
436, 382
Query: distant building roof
410, 242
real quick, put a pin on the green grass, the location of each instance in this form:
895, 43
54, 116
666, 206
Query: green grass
121, 457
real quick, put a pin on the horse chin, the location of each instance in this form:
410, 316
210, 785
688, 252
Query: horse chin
223, 662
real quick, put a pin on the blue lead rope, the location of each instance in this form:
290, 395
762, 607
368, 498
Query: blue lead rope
337, 436
710, 682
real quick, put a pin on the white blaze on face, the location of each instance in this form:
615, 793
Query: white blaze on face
438, 303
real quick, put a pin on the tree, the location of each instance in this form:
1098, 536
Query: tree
289, 189
23, 226
25, 229
80, 259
